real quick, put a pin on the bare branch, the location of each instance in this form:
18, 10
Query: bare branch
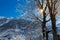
49, 31
55, 13
48, 4
38, 3
47, 14
45, 7
55, 1
47, 20
36, 18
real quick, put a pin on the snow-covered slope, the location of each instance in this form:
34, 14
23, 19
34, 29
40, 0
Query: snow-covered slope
16, 26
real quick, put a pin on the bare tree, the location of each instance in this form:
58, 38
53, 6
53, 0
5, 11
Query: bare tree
52, 10
42, 8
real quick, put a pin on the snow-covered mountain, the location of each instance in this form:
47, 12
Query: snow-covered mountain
11, 28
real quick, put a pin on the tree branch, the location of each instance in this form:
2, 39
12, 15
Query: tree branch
38, 3
48, 31
36, 18
45, 7
47, 14
47, 20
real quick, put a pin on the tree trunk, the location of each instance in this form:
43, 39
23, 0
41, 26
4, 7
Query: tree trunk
53, 21
46, 35
43, 22
44, 25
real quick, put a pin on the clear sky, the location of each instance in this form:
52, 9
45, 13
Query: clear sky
8, 8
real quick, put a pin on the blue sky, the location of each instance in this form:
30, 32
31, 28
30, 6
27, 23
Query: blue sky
8, 8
